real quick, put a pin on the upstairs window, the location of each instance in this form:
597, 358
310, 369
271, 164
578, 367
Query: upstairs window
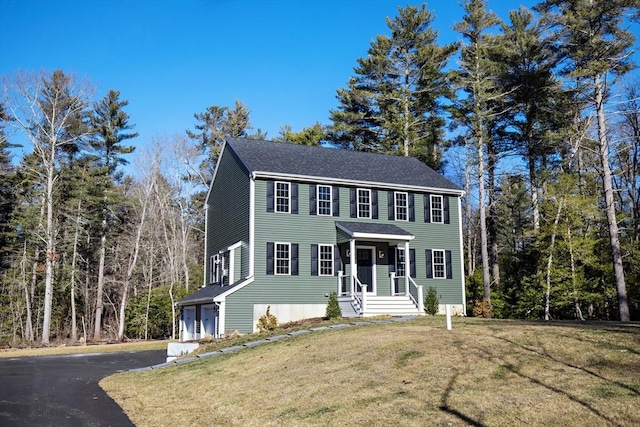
324, 200
437, 209
282, 197
364, 203
401, 206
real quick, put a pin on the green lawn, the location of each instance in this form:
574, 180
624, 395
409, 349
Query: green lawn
483, 372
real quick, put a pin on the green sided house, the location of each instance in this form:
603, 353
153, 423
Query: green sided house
288, 224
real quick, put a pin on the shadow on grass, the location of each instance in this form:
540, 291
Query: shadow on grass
444, 406
490, 357
570, 365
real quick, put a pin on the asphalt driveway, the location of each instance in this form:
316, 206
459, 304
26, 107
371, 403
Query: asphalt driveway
63, 390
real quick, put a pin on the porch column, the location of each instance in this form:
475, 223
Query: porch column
352, 264
407, 268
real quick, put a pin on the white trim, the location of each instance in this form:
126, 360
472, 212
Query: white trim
318, 200
371, 287
231, 272
355, 183
444, 263
222, 297
431, 197
395, 206
358, 190
464, 296
252, 224
206, 243
222, 314
275, 197
275, 259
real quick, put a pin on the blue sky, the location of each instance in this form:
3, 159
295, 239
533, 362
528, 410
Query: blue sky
284, 59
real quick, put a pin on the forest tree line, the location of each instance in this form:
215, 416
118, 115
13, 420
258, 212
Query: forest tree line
536, 117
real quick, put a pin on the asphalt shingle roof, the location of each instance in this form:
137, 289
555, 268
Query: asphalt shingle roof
287, 158
203, 294
372, 228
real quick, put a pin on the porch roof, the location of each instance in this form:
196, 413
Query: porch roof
203, 295
374, 231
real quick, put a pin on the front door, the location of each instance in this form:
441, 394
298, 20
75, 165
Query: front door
365, 268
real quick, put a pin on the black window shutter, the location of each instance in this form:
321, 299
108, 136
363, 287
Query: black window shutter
445, 207
294, 259
269, 196
427, 208
427, 255
270, 249
412, 208
337, 260
336, 201
314, 260
353, 203
392, 214
392, 259
374, 204
312, 199
294, 197
448, 266
412, 263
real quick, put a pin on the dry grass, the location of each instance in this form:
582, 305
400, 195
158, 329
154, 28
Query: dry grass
412, 373
91, 348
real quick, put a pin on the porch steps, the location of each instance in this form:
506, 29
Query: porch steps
399, 305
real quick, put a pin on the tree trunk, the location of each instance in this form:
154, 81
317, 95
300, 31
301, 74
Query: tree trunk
492, 161
610, 208
28, 326
97, 326
74, 262
50, 247
547, 313
470, 246
486, 280
534, 193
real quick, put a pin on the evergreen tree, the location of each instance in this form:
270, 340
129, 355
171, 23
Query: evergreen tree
312, 135
394, 103
111, 127
476, 109
598, 48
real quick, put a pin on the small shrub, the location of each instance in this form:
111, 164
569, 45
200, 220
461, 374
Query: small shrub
267, 322
482, 308
333, 307
431, 303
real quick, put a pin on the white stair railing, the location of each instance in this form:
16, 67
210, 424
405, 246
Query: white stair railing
420, 302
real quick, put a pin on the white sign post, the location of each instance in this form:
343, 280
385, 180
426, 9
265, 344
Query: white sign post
447, 312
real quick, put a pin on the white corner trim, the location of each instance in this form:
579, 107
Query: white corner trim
461, 236
252, 223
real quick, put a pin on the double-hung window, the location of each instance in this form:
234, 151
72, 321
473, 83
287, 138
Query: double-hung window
283, 258
436, 209
401, 269
364, 203
439, 266
401, 206
325, 259
214, 269
283, 197
324, 200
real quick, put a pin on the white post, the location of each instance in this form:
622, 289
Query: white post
392, 282
352, 264
420, 300
447, 312
364, 299
407, 269
340, 272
